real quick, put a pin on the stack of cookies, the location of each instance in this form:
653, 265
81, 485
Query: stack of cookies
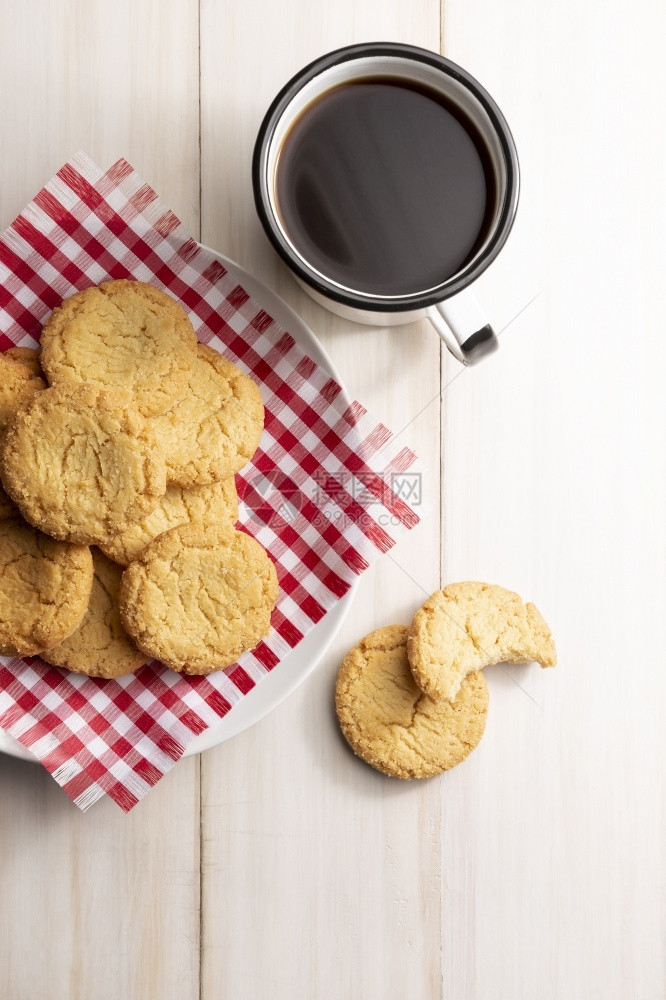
412, 701
119, 442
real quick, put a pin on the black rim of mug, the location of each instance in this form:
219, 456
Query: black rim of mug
360, 300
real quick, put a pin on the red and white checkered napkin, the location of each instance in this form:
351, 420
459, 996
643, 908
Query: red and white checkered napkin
324, 493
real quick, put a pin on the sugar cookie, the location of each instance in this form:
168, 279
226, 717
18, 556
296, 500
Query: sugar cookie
122, 334
391, 724
81, 464
214, 427
199, 596
468, 626
44, 589
17, 386
26, 356
99, 647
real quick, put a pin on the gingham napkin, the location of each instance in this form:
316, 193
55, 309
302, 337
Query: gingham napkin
328, 491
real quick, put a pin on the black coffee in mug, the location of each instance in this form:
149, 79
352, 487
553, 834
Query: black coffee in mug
385, 186
387, 179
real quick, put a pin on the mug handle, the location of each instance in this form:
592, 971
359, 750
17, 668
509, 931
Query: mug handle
462, 324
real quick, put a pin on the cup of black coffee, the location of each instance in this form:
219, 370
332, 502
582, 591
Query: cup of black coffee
387, 179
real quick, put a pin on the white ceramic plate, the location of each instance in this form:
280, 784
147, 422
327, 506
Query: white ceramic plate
292, 671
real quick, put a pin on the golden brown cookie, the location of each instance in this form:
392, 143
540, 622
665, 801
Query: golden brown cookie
202, 504
214, 427
26, 356
99, 647
198, 597
391, 724
122, 334
468, 626
44, 589
81, 464
17, 386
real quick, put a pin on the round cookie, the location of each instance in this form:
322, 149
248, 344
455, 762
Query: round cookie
17, 386
81, 464
26, 356
44, 589
99, 647
214, 427
391, 724
122, 334
468, 626
199, 596
204, 504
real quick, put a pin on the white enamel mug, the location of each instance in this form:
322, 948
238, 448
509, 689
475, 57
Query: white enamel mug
451, 306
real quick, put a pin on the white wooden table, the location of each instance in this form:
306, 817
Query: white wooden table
277, 865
